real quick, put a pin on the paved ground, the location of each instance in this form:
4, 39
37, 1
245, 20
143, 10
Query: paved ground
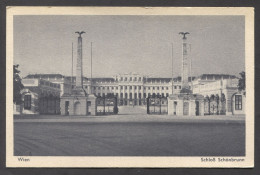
129, 135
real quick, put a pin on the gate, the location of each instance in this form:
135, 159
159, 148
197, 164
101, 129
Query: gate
107, 105
157, 105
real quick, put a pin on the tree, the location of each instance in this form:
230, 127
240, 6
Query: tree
242, 81
17, 85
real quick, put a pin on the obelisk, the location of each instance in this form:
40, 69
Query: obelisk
79, 90
185, 61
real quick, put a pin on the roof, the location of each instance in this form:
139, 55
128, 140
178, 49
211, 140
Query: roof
215, 76
44, 76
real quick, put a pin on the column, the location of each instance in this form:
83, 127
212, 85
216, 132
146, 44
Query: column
128, 94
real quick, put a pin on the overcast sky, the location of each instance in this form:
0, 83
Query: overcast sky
123, 44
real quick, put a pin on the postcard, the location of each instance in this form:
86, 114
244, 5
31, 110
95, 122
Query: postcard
130, 87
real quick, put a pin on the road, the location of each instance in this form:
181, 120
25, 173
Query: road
129, 135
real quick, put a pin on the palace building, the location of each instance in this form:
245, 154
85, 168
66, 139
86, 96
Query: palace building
133, 88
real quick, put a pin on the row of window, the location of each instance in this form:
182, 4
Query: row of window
130, 79
46, 83
135, 95
131, 87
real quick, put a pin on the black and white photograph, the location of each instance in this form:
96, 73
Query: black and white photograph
130, 87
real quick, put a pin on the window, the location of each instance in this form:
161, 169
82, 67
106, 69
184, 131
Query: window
135, 87
112, 88
175, 87
94, 88
139, 87
162, 88
162, 94
121, 78
130, 78
107, 88
166, 88
238, 102
157, 88
179, 87
121, 87
125, 87
116, 88
135, 78
99, 88
135, 95
167, 94
103, 87
27, 102
130, 96
140, 79
148, 88
125, 78
130, 87
144, 95
153, 88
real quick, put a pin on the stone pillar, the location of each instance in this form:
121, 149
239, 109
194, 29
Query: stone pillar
179, 110
201, 108
170, 106
229, 104
192, 106
93, 107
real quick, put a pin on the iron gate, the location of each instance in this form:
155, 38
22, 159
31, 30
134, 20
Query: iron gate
107, 105
157, 105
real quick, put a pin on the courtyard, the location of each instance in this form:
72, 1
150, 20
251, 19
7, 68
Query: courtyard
129, 135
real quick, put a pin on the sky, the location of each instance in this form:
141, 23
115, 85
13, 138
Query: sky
124, 44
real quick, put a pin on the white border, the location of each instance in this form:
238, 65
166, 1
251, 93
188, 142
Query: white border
35, 161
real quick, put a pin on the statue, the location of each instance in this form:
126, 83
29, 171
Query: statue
80, 33
184, 33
